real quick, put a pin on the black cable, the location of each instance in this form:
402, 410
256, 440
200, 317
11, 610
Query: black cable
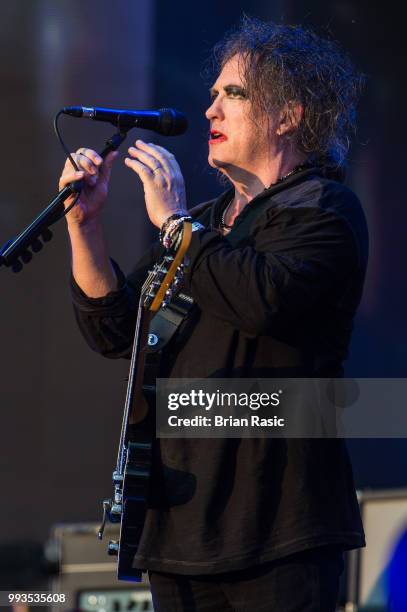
63, 145
69, 155
66, 210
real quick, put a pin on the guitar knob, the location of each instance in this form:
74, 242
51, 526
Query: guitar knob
116, 509
113, 548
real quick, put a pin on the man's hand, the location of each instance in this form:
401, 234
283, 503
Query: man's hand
164, 187
95, 173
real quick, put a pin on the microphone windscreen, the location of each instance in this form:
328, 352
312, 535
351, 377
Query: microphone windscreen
172, 122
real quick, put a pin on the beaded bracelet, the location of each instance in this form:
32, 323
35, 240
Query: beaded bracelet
172, 231
166, 223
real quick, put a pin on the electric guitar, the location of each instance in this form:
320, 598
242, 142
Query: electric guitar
132, 472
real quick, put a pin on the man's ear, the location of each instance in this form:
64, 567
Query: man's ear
290, 118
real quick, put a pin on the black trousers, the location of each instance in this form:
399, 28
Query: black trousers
303, 582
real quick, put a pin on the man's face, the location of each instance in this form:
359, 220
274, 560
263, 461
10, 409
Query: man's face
235, 139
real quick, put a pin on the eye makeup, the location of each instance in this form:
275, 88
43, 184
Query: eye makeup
230, 90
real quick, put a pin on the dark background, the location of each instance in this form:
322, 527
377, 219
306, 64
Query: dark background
60, 403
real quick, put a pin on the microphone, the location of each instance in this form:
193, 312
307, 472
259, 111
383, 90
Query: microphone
166, 121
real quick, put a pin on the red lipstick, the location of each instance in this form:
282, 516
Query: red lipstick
216, 137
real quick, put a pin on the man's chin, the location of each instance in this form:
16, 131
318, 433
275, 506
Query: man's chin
216, 163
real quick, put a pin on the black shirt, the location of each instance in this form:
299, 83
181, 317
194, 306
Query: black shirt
275, 297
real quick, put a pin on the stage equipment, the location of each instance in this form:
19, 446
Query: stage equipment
377, 574
87, 575
166, 121
20, 250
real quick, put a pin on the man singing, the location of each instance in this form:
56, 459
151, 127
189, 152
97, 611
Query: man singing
276, 268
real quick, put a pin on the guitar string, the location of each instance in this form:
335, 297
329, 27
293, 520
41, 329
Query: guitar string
129, 392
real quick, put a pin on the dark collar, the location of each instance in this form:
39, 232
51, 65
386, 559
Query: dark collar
299, 177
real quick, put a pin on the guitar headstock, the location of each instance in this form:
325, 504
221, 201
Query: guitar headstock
165, 277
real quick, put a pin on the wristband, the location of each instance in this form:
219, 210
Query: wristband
172, 230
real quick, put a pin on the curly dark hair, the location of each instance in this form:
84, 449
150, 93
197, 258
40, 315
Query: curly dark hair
286, 64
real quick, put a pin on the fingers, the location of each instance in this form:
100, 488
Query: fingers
145, 173
91, 155
162, 155
106, 167
155, 158
163, 183
91, 166
66, 179
152, 156
88, 160
70, 177
144, 165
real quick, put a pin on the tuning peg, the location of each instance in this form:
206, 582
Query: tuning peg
167, 298
36, 245
26, 257
17, 266
46, 234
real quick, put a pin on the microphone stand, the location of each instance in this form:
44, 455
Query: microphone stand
15, 252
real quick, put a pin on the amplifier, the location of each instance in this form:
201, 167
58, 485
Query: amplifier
377, 574
87, 575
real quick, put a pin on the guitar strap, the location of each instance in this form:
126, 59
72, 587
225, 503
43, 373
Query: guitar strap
166, 322
162, 329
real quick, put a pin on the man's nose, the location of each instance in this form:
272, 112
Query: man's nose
214, 111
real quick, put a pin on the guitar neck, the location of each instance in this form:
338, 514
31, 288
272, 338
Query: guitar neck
151, 299
135, 380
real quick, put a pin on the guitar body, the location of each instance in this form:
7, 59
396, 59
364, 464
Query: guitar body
131, 478
135, 490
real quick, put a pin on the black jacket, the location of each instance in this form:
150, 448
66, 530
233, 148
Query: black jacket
274, 298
